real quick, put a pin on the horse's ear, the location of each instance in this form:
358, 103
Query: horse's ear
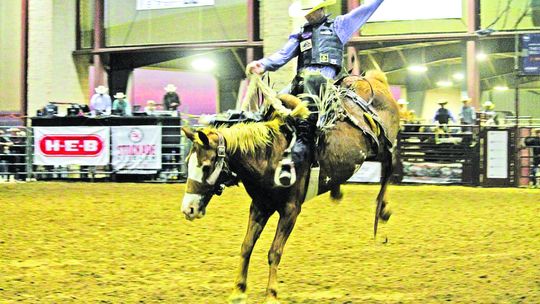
189, 133
204, 138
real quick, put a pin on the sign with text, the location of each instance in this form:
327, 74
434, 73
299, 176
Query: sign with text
497, 154
369, 172
61, 146
166, 4
530, 60
136, 147
397, 10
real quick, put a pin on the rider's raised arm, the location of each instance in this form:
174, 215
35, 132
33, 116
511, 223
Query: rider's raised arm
348, 24
281, 57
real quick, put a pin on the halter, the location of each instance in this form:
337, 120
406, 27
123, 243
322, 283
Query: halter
220, 163
222, 176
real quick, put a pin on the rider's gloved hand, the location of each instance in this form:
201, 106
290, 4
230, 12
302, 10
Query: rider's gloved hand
255, 67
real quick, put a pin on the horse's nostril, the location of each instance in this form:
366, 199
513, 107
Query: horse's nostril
191, 210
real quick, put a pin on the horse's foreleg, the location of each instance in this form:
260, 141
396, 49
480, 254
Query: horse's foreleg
287, 219
257, 221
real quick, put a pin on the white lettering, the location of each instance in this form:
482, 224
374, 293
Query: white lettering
52, 145
91, 145
71, 145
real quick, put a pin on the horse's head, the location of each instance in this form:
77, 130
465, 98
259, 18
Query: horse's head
207, 171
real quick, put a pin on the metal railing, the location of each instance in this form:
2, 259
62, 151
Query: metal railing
17, 155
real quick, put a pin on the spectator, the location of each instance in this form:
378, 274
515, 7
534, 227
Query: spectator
150, 107
467, 115
490, 116
171, 100
120, 105
404, 114
533, 142
101, 101
443, 115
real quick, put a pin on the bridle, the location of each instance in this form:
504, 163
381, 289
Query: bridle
222, 176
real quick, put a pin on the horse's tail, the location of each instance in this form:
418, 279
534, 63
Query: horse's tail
377, 75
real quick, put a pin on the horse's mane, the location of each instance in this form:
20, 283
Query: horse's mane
248, 137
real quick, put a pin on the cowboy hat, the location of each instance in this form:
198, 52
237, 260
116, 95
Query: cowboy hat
119, 95
170, 88
488, 105
402, 101
101, 89
442, 102
303, 8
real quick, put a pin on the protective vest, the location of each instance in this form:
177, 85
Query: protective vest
442, 116
320, 45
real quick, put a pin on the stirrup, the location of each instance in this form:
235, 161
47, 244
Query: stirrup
284, 178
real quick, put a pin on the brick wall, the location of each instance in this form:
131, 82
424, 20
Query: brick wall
276, 28
53, 73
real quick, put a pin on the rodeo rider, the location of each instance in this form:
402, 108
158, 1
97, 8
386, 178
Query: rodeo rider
319, 46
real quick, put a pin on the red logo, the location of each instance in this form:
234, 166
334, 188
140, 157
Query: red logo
71, 145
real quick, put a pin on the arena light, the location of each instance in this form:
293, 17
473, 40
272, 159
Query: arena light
481, 56
458, 76
444, 83
203, 64
417, 68
500, 88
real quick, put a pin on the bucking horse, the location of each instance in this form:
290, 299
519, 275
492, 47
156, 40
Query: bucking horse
252, 151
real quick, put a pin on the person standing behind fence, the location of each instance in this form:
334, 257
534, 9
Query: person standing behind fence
171, 100
533, 142
121, 105
101, 101
443, 115
467, 115
490, 117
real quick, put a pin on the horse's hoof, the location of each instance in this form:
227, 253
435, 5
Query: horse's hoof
385, 214
336, 194
237, 298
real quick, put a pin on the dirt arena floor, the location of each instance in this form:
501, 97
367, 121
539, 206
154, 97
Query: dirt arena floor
129, 243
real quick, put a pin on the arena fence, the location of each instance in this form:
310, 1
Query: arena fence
18, 154
438, 154
463, 154
528, 171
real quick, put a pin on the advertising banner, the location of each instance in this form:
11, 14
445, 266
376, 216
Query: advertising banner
164, 4
530, 60
370, 172
62, 146
497, 154
136, 147
432, 173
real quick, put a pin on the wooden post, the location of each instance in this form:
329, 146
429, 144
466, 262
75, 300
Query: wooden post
99, 69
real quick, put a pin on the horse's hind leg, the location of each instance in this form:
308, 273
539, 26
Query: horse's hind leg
287, 219
257, 221
383, 212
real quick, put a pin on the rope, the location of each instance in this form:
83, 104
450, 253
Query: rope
269, 97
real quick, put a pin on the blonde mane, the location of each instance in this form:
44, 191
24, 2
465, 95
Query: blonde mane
248, 137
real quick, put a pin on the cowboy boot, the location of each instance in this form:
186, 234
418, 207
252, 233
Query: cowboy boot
300, 152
